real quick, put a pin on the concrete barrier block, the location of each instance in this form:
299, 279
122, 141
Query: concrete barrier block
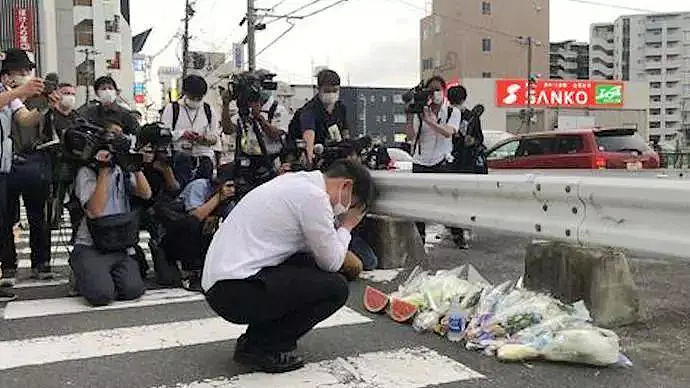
395, 242
599, 276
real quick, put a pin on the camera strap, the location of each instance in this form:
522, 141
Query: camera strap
259, 138
417, 146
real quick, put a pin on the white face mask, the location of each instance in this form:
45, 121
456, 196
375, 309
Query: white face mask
20, 80
192, 103
330, 98
68, 101
438, 97
339, 208
107, 96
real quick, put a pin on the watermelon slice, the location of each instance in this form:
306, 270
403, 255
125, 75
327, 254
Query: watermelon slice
401, 311
375, 301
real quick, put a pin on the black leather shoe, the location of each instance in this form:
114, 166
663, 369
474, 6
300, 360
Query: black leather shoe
265, 361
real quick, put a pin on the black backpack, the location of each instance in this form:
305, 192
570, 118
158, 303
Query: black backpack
176, 113
295, 127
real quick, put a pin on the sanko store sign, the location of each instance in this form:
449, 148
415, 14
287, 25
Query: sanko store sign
558, 93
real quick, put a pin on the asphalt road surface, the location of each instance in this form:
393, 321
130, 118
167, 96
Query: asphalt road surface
171, 338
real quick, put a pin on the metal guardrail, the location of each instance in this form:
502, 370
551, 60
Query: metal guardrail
641, 214
675, 159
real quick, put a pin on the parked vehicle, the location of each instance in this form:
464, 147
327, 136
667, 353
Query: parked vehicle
578, 149
491, 138
400, 159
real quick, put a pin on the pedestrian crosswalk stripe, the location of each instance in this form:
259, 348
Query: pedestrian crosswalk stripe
63, 238
40, 283
64, 261
100, 343
402, 368
65, 248
72, 305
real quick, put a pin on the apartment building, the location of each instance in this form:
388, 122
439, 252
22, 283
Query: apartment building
569, 60
479, 38
601, 40
655, 48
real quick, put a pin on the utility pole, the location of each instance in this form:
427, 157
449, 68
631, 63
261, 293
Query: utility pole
529, 84
89, 70
188, 13
251, 38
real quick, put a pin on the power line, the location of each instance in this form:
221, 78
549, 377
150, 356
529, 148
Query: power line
614, 6
292, 25
278, 4
323, 9
287, 15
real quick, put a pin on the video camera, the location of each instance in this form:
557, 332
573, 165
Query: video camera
247, 87
416, 99
324, 156
159, 138
83, 140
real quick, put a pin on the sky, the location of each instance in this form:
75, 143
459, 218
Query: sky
369, 42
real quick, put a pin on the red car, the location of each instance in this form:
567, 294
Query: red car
577, 149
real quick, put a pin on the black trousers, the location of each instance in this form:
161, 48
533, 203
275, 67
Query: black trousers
30, 179
280, 303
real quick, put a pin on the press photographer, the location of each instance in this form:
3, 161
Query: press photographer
195, 131
102, 260
259, 128
431, 123
322, 120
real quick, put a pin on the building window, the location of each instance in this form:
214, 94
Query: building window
486, 45
397, 99
399, 119
486, 74
437, 24
113, 26
384, 118
427, 64
373, 98
384, 98
113, 64
378, 118
85, 73
486, 8
87, 3
83, 33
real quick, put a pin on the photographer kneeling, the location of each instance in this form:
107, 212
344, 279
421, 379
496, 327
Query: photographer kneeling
278, 263
104, 271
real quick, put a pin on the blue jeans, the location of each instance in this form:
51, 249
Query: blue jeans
362, 250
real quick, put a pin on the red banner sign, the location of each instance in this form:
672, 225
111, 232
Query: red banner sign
559, 93
23, 28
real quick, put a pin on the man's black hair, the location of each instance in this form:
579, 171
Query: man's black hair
104, 80
194, 86
363, 188
435, 78
327, 77
457, 95
65, 85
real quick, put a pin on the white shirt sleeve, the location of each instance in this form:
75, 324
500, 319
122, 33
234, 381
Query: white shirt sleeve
214, 129
167, 120
328, 245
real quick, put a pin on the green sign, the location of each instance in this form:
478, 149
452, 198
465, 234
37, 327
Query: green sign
609, 94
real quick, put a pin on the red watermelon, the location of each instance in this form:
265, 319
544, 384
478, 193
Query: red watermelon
401, 311
375, 301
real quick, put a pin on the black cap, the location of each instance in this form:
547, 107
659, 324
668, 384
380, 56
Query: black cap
15, 59
104, 80
194, 86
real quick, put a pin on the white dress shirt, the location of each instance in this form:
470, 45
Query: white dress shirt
290, 214
193, 120
432, 147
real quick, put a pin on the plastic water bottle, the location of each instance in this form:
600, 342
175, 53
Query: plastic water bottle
456, 322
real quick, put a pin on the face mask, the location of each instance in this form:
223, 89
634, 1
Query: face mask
192, 103
330, 98
107, 96
438, 97
339, 208
20, 80
68, 101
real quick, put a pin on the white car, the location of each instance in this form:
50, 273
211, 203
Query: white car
401, 160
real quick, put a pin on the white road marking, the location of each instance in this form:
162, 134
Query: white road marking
63, 261
40, 283
59, 239
381, 275
79, 346
67, 248
59, 306
402, 368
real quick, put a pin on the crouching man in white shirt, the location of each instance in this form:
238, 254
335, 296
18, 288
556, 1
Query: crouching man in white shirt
278, 264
